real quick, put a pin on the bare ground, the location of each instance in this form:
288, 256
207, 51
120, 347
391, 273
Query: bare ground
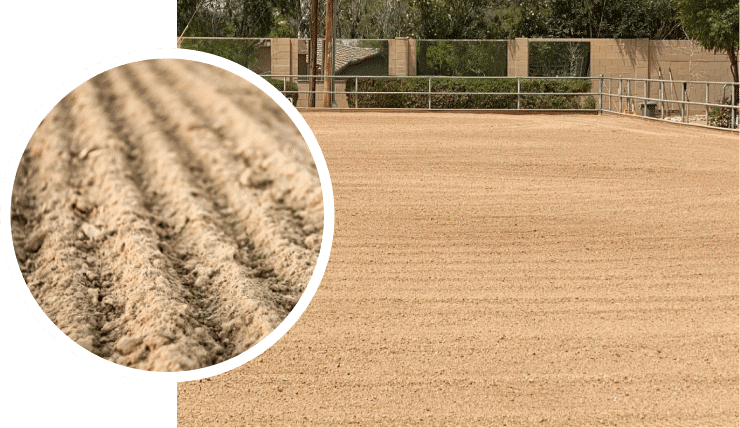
509, 270
167, 215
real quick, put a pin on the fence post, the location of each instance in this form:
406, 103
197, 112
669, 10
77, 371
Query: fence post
283, 83
620, 94
630, 103
357, 95
644, 101
518, 93
601, 92
662, 99
430, 93
685, 113
706, 100
732, 109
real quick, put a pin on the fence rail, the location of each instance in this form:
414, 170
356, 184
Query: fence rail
710, 104
704, 103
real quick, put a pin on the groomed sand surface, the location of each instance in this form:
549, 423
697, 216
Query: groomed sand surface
167, 215
509, 270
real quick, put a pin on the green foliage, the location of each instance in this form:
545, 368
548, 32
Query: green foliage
721, 117
625, 19
242, 52
470, 97
446, 19
281, 28
461, 58
289, 89
590, 103
450, 19
713, 23
227, 18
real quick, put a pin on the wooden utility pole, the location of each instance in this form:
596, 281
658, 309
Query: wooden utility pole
327, 52
313, 30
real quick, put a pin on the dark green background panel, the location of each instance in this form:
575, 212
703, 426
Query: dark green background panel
43, 45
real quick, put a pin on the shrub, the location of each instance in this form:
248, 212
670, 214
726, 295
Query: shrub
590, 103
721, 116
291, 89
471, 97
243, 52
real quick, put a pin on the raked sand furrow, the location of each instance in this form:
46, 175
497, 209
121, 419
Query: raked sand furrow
231, 297
499, 270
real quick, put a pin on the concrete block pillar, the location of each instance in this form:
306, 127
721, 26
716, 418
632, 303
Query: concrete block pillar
294, 57
518, 57
280, 56
402, 56
412, 57
398, 56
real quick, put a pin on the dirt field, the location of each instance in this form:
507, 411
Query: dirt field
167, 215
509, 270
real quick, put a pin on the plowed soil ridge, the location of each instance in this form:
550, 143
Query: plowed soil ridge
140, 252
47, 241
281, 211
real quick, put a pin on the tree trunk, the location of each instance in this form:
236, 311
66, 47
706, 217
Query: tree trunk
732, 53
327, 52
312, 51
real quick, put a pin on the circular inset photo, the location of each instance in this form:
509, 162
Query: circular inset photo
167, 215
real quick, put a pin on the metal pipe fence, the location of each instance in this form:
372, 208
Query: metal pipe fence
702, 103
650, 98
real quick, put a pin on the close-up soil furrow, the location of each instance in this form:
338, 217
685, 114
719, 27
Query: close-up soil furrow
143, 338
52, 238
288, 169
208, 231
133, 240
278, 235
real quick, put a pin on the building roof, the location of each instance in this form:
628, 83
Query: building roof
345, 55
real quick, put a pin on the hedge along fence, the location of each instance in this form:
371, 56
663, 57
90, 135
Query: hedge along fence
253, 54
290, 91
403, 99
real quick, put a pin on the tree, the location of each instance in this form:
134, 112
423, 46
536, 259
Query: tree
618, 19
233, 18
449, 19
714, 25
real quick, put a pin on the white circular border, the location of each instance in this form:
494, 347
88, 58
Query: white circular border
98, 363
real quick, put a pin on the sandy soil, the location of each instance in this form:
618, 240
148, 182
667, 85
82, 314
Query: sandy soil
509, 270
167, 215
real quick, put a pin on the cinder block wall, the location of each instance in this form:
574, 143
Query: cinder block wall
629, 58
620, 58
